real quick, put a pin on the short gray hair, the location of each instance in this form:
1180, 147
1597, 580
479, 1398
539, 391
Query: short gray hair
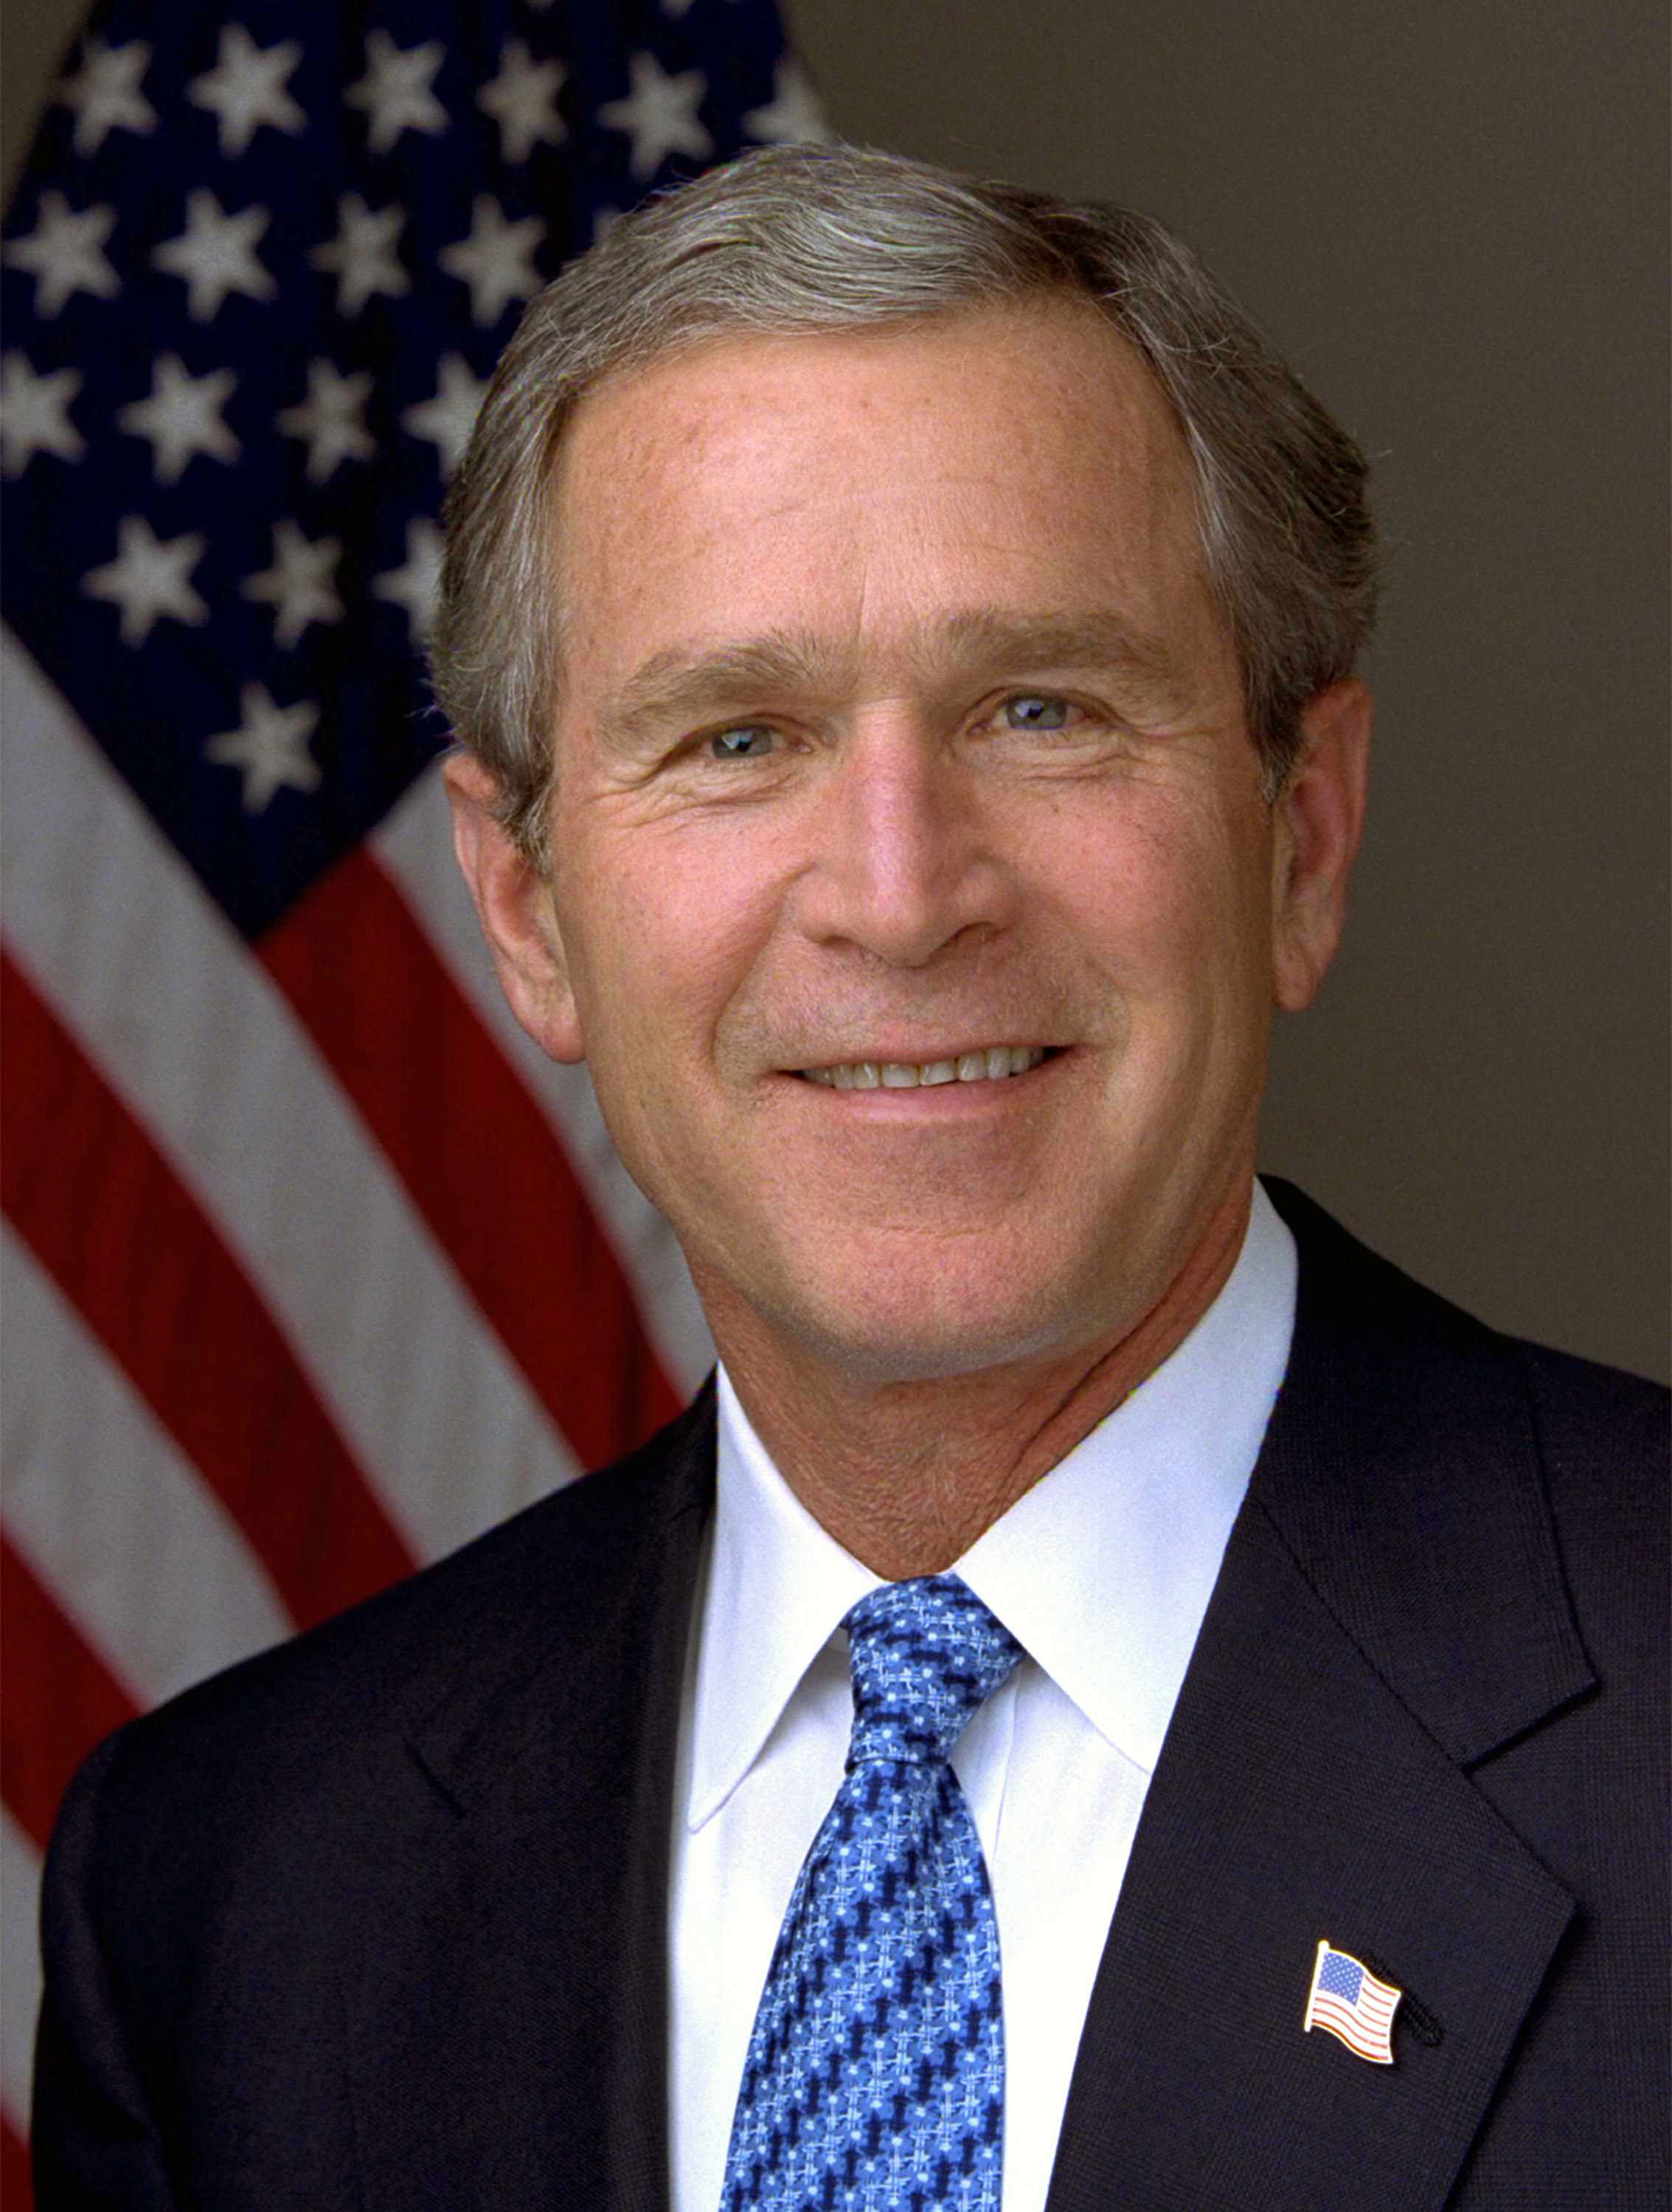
795, 239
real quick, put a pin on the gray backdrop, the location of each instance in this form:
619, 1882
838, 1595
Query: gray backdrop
1451, 214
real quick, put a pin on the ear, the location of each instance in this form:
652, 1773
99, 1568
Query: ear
1318, 821
519, 919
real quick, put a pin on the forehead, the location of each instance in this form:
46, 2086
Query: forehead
1017, 455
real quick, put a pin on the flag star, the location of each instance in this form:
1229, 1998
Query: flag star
497, 260
245, 89
149, 579
793, 116
414, 586
182, 418
270, 746
216, 255
65, 253
446, 420
298, 587
34, 414
105, 92
395, 90
362, 254
661, 114
522, 101
329, 420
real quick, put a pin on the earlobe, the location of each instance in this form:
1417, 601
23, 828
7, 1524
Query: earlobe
514, 903
1319, 820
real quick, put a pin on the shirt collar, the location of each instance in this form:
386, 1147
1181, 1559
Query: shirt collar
778, 1586
1101, 1571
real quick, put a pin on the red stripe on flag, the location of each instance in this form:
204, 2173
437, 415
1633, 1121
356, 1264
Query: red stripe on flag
479, 1159
131, 1249
16, 2188
61, 1698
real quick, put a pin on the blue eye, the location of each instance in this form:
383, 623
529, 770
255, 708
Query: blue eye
747, 741
1036, 710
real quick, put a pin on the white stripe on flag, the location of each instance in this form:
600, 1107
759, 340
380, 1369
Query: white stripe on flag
216, 1067
20, 1968
415, 843
142, 1555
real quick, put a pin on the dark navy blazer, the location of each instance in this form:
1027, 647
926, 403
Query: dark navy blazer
376, 1922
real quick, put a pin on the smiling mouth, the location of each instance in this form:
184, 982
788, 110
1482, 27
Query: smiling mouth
994, 1063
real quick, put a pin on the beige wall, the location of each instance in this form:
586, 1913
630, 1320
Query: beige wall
1451, 214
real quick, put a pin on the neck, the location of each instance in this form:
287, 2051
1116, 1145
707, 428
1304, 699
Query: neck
907, 1476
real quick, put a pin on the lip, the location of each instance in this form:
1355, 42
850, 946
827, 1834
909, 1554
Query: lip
915, 1055
938, 1101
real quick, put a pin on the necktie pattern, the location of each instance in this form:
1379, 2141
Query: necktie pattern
874, 2081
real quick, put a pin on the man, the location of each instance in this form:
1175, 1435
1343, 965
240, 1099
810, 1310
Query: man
900, 634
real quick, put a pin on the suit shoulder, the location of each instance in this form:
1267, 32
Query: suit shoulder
1370, 1297
1409, 1414
1605, 1443
1586, 1405
508, 1601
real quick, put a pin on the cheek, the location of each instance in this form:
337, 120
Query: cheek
661, 934
1165, 889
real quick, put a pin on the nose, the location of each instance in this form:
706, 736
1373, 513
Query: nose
903, 862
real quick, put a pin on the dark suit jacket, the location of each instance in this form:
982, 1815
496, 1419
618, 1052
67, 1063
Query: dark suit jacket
377, 1921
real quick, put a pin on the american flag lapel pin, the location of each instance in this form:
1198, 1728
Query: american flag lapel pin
1349, 2001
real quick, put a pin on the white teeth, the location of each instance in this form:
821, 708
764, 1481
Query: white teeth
997, 1061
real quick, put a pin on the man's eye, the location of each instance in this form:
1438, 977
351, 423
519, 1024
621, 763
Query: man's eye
1036, 710
746, 741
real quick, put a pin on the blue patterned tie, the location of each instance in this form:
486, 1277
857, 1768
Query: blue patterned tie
876, 2069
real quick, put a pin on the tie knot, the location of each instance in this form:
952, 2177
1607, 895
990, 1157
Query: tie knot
924, 1655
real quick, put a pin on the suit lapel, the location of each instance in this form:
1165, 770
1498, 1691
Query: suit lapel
1389, 1611
1295, 1799
507, 2021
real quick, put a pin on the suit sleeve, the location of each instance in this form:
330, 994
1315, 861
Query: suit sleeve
95, 2143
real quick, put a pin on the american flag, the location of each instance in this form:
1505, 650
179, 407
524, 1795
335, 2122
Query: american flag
313, 1268
1348, 2000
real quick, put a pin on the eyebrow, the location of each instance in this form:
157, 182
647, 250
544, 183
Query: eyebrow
681, 684
990, 637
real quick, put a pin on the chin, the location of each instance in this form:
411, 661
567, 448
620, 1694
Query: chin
939, 1324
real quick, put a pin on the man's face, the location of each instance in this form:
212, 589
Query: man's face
899, 731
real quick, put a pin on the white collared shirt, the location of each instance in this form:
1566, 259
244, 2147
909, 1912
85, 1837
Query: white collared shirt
1102, 1572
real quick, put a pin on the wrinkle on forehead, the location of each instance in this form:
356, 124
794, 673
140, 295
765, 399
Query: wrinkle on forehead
670, 416
741, 522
